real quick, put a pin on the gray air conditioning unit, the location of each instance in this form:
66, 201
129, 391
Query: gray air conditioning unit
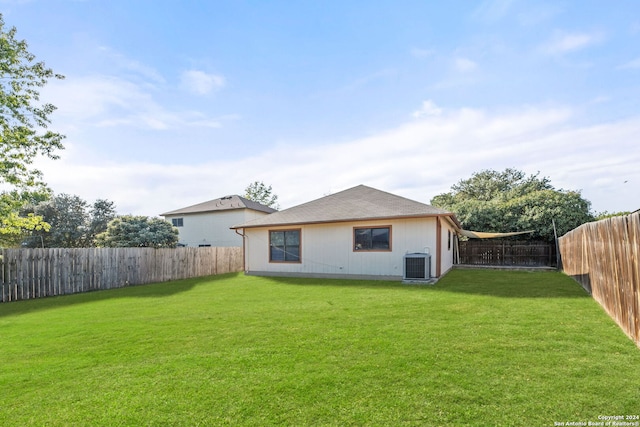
417, 266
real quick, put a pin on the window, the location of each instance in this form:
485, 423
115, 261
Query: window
372, 239
177, 222
204, 246
449, 240
284, 246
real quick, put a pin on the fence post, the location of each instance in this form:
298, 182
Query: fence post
37, 273
603, 257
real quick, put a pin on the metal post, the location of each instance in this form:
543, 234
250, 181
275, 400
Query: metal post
558, 257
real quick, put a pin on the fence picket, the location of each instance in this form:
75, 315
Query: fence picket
603, 257
37, 273
507, 253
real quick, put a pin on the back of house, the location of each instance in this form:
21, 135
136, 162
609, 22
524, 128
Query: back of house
361, 232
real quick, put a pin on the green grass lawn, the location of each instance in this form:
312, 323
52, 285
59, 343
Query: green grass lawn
483, 348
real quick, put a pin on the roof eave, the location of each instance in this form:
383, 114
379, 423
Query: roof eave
205, 211
334, 221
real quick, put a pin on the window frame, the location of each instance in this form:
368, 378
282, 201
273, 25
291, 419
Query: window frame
373, 227
177, 222
285, 261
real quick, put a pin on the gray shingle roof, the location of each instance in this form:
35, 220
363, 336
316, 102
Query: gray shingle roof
357, 203
222, 204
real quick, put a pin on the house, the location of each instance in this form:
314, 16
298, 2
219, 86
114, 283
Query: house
209, 223
361, 232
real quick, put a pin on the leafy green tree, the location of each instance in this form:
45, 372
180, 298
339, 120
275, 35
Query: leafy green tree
23, 133
259, 192
73, 223
14, 224
102, 212
68, 218
490, 185
512, 201
606, 214
138, 231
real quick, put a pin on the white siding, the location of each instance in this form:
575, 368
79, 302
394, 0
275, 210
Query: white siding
447, 245
327, 249
213, 228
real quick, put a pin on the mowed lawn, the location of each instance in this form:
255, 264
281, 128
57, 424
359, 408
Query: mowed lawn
483, 348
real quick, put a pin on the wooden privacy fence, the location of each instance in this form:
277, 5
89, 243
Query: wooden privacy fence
603, 257
507, 253
37, 273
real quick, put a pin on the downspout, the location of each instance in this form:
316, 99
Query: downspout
438, 246
244, 251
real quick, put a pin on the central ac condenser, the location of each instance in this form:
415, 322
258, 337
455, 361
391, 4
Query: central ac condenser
417, 266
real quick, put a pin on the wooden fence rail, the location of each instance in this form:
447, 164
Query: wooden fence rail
603, 257
37, 273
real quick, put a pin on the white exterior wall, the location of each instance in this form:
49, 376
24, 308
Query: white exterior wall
447, 245
327, 249
213, 228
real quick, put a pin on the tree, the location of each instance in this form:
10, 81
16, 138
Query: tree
67, 216
23, 133
259, 192
489, 185
511, 201
102, 212
606, 214
13, 224
138, 231
73, 224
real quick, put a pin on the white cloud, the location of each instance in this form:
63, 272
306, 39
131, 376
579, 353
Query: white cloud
201, 83
562, 43
367, 80
108, 101
601, 99
90, 97
464, 64
120, 61
418, 159
492, 10
429, 108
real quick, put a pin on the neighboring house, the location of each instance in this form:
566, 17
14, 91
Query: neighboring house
357, 233
208, 223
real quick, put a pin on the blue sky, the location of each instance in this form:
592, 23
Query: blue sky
171, 103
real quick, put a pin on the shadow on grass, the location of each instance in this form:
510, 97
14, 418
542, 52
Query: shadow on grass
512, 284
342, 283
497, 283
151, 290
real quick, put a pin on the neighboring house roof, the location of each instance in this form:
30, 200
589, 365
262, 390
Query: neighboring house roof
357, 203
222, 204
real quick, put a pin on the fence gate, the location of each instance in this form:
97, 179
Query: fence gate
508, 253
